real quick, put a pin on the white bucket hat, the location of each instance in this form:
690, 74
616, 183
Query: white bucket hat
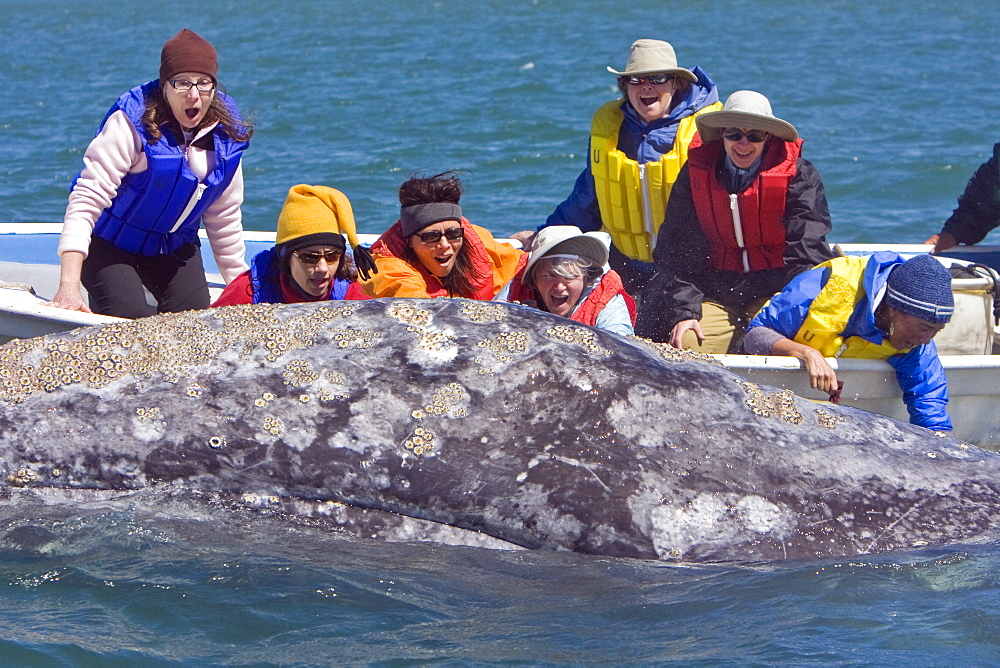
744, 109
652, 56
565, 240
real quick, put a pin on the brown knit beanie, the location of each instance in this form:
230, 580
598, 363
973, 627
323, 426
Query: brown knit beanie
187, 51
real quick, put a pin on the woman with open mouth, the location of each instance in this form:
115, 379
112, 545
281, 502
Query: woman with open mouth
566, 276
165, 160
747, 214
434, 251
638, 143
309, 262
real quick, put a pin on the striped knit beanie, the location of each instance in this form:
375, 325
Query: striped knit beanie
921, 287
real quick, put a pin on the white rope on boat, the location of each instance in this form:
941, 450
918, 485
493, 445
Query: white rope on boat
18, 286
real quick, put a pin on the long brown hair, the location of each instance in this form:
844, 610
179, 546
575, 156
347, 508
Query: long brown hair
464, 277
158, 114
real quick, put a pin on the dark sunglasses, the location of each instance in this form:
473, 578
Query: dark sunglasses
754, 136
454, 234
314, 258
655, 79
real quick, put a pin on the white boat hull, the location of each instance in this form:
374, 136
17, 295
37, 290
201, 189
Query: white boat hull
973, 388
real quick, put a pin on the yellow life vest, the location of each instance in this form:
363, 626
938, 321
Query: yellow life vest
832, 309
633, 197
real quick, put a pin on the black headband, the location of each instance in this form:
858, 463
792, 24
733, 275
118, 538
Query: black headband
414, 218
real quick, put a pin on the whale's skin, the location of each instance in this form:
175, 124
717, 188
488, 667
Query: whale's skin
491, 418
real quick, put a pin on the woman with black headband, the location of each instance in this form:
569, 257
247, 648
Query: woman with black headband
434, 251
309, 262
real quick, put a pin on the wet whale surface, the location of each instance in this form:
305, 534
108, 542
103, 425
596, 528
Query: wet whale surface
476, 423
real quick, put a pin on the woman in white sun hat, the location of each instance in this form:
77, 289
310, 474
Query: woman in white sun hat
638, 143
565, 275
747, 214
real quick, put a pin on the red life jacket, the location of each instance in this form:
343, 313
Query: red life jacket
761, 207
586, 313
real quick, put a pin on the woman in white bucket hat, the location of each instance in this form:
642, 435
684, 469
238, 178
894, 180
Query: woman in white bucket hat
565, 274
641, 138
747, 214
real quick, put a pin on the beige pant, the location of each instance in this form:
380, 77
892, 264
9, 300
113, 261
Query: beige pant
723, 328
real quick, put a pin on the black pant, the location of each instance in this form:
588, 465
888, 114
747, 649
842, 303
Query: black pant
115, 279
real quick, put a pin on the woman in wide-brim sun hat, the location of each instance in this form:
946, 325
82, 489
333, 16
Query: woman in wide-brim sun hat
638, 143
747, 214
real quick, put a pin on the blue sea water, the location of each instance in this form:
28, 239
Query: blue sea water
897, 103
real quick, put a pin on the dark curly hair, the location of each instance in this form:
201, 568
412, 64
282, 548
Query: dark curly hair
158, 114
463, 278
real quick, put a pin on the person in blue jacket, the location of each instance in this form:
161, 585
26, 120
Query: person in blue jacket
875, 307
165, 162
652, 123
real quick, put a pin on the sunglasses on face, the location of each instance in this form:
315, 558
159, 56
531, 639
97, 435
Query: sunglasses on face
655, 79
754, 136
434, 236
314, 258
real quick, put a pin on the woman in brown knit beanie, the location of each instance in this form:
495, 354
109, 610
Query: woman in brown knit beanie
166, 159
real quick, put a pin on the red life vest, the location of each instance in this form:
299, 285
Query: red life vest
586, 313
761, 207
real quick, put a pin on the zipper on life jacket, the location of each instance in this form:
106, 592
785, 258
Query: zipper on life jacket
738, 231
195, 197
647, 215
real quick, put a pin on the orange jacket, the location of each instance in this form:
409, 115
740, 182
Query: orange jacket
397, 277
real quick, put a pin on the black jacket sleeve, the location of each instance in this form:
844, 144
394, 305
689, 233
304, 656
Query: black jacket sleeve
978, 209
807, 221
681, 249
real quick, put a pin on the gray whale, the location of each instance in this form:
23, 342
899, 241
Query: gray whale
493, 419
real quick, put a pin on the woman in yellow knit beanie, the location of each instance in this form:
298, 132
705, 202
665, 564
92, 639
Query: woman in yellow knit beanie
308, 262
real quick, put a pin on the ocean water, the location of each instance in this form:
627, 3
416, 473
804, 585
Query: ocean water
897, 104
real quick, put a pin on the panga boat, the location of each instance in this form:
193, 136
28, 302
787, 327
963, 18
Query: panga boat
968, 345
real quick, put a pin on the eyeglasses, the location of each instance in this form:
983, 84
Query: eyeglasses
314, 258
183, 85
434, 236
655, 79
754, 136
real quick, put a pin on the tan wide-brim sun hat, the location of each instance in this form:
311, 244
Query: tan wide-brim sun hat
744, 109
652, 56
564, 240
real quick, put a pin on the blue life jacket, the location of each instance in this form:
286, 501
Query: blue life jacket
144, 216
264, 273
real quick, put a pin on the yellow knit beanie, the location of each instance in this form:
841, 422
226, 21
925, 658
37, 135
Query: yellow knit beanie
312, 210
316, 215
